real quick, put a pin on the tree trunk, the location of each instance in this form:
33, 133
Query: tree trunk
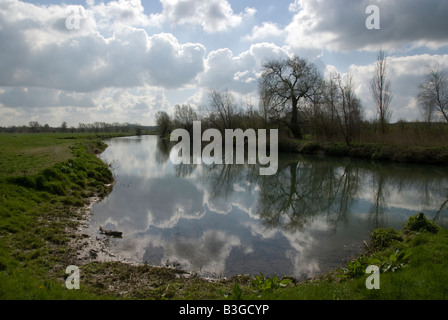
295, 128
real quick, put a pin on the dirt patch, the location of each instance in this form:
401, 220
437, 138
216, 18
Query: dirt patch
90, 248
109, 275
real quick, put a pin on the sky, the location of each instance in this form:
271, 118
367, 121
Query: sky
124, 60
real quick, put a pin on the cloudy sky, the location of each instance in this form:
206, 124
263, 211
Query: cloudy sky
123, 60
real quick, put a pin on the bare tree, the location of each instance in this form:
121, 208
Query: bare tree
433, 93
250, 117
264, 107
349, 110
328, 116
222, 110
163, 123
184, 116
285, 82
427, 112
380, 88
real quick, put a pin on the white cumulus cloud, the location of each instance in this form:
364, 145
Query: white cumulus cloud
85, 60
212, 15
340, 25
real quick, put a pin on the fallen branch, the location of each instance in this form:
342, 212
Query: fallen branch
111, 233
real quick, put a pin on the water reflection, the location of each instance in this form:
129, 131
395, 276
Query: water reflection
221, 220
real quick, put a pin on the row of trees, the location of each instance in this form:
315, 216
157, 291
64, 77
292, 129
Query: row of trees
293, 97
35, 127
104, 127
222, 112
96, 127
330, 106
296, 98
293, 93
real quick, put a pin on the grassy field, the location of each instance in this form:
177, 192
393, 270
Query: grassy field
46, 178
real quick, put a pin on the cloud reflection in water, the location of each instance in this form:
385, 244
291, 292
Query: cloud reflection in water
226, 219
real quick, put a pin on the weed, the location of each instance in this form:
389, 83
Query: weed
266, 284
237, 292
396, 261
357, 267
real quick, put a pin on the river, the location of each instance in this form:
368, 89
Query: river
222, 220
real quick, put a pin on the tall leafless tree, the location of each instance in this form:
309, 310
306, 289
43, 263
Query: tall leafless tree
433, 93
163, 122
222, 110
349, 110
380, 88
285, 82
326, 114
264, 107
184, 116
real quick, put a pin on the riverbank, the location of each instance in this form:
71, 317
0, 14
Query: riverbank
45, 181
43, 209
370, 151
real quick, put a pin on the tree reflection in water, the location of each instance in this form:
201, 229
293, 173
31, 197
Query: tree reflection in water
307, 186
227, 219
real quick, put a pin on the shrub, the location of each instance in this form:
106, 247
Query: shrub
419, 223
287, 145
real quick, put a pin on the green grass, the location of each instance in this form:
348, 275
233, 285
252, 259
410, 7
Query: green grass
43, 178
27, 154
420, 276
48, 177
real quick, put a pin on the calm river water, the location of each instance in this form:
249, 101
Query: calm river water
222, 220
